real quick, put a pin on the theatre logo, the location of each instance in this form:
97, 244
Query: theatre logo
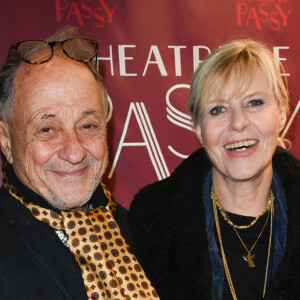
273, 14
96, 13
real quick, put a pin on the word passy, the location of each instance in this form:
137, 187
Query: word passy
99, 11
273, 15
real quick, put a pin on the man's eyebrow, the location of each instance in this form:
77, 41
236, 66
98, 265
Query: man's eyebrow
89, 112
86, 113
48, 115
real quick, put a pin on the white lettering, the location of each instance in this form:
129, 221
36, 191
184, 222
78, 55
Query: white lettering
177, 117
199, 53
158, 61
123, 58
110, 58
196, 55
278, 59
150, 141
177, 58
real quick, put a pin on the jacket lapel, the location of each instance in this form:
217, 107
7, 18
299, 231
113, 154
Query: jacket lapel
45, 246
55, 259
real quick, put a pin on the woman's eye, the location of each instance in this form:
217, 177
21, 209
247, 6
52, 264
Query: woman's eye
256, 102
217, 110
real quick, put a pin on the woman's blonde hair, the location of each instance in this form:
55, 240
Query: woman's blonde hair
239, 57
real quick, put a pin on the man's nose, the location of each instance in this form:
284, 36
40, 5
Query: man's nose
72, 149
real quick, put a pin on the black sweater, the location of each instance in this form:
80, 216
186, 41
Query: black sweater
168, 225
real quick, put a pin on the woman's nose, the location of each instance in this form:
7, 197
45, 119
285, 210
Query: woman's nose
238, 119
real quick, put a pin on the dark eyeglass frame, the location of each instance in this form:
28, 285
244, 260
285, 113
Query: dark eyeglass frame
51, 44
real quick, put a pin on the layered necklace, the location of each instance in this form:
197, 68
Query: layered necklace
249, 256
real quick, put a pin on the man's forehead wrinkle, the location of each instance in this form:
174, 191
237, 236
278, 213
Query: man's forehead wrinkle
34, 70
51, 71
52, 76
51, 90
32, 82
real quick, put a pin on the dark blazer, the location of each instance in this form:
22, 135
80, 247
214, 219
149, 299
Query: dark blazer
168, 225
34, 263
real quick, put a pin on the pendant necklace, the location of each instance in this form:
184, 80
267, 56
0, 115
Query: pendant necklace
248, 257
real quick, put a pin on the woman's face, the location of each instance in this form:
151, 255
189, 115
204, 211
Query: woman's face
240, 133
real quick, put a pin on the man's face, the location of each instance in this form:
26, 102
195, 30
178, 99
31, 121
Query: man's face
58, 142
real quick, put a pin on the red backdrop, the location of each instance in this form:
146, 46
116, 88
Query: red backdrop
148, 51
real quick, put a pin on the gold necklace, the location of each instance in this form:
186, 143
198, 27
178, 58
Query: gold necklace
249, 257
227, 272
227, 219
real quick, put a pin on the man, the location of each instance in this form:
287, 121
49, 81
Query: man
58, 237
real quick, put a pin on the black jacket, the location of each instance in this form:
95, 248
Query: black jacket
168, 225
34, 263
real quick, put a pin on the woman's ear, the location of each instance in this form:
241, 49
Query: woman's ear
5, 141
199, 134
282, 116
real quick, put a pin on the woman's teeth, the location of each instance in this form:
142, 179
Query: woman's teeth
241, 146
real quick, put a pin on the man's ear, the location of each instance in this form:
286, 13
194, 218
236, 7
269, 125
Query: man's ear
5, 141
199, 134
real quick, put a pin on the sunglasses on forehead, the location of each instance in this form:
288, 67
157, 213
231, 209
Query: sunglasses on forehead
39, 51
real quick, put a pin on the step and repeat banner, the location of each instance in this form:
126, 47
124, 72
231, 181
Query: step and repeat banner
148, 51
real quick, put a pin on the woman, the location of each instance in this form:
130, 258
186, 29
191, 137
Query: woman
226, 223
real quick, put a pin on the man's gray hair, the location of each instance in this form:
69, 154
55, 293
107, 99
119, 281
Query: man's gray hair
12, 64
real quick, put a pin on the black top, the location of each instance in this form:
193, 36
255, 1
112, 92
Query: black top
168, 222
248, 281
